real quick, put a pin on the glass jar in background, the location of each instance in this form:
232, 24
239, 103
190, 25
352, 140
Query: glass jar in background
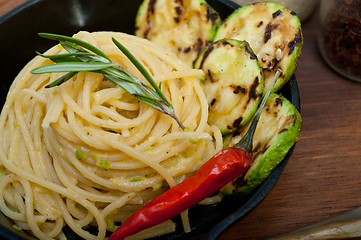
339, 36
303, 8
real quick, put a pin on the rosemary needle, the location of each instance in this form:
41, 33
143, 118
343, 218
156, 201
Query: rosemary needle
83, 56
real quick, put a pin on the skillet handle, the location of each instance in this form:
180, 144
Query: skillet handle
344, 226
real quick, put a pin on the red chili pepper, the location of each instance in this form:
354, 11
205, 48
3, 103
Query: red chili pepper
221, 169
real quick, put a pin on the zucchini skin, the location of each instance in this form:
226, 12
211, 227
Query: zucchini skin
281, 29
268, 156
267, 26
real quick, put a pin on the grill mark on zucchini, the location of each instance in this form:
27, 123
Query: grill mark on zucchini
287, 123
150, 12
276, 14
279, 101
257, 148
238, 89
253, 90
178, 10
236, 123
295, 43
265, 149
271, 65
186, 50
225, 43
236, 133
206, 54
211, 15
213, 80
250, 52
199, 47
151, 6
268, 31
283, 130
275, 113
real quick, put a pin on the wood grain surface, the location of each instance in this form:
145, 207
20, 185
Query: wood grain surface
322, 178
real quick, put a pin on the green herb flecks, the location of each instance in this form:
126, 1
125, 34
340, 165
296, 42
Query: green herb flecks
110, 221
103, 163
79, 154
194, 140
137, 179
17, 228
83, 56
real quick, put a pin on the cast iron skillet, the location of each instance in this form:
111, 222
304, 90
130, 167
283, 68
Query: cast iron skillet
18, 43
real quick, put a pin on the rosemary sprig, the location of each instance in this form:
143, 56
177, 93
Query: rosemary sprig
83, 56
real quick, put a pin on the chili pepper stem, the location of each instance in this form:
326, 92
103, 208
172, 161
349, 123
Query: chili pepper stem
225, 166
222, 168
246, 141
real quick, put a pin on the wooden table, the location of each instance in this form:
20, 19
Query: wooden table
322, 178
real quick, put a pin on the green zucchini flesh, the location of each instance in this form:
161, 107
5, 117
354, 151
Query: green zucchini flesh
233, 83
277, 131
274, 33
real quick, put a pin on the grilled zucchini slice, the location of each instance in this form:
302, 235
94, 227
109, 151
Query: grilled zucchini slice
277, 130
274, 33
183, 27
233, 83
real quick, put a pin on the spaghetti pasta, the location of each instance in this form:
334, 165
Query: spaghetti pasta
87, 153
